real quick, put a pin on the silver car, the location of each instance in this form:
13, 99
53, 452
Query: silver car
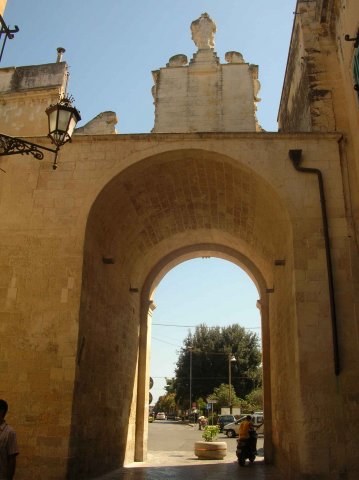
232, 429
161, 416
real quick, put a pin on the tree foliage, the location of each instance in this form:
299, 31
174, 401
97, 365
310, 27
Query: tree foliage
166, 403
211, 349
221, 394
254, 401
170, 386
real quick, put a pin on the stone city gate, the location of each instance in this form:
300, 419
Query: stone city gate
86, 246
83, 248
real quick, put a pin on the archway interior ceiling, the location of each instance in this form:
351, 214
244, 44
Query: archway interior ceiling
186, 197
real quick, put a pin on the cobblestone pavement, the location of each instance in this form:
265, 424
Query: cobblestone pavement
184, 466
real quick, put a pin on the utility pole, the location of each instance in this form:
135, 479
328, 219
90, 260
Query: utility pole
190, 380
231, 359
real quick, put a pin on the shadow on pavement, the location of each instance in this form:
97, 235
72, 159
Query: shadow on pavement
209, 471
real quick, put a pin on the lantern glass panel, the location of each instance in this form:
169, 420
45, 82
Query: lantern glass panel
72, 126
63, 121
52, 120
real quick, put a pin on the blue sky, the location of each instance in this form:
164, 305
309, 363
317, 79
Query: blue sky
111, 47
211, 291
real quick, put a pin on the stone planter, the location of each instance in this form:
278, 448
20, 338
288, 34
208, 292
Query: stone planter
210, 450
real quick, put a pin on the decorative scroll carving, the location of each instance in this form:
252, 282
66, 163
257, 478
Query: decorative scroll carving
203, 30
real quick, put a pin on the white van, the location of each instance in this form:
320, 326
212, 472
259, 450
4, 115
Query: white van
232, 429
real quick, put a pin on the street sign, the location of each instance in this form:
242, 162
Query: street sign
210, 400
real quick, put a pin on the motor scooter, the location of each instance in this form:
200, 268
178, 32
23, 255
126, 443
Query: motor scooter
247, 448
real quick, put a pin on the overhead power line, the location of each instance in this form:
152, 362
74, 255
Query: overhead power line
164, 341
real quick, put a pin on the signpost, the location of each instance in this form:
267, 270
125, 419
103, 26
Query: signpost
210, 402
150, 394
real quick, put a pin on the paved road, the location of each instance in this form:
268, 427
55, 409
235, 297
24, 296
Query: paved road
166, 436
171, 457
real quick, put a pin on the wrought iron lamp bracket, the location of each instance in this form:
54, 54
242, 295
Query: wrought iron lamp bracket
354, 39
16, 146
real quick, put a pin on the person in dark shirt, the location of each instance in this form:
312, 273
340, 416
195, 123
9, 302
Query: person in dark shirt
8, 446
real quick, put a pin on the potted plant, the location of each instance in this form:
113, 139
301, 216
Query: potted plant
209, 449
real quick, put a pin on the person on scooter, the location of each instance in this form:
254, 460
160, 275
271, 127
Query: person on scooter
245, 427
247, 442
249, 434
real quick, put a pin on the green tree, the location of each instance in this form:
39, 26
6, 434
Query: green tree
255, 400
210, 349
166, 403
201, 404
170, 385
221, 394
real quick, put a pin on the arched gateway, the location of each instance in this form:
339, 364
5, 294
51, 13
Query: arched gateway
179, 204
83, 248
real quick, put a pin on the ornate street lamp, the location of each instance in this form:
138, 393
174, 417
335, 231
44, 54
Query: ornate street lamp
62, 118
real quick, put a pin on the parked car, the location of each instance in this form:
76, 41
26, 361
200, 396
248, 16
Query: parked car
161, 416
232, 429
224, 420
150, 418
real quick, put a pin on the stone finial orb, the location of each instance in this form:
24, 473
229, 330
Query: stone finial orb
234, 57
203, 30
178, 60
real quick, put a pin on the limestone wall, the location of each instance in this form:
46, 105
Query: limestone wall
318, 93
206, 96
106, 375
77, 245
25, 93
2, 6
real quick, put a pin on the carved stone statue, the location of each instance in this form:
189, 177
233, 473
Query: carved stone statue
203, 30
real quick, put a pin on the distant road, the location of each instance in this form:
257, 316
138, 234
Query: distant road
167, 435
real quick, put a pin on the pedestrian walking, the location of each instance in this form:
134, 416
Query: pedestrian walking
202, 422
8, 446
